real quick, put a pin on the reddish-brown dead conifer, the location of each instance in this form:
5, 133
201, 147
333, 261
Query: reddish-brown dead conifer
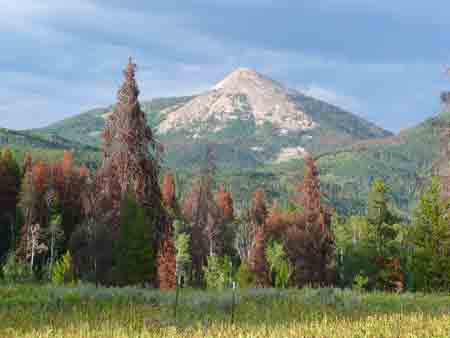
131, 155
167, 265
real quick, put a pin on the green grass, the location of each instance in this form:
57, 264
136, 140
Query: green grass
85, 312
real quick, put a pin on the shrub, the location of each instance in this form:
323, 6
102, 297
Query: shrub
360, 282
14, 271
62, 272
183, 256
218, 272
279, 264
245, 277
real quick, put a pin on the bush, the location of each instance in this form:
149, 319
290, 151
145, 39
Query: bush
218, 272
14, 271
183, 258
62, 272
245, 277
279, 264
360, 282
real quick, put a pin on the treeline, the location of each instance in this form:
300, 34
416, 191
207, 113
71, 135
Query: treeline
52, 223
380, 250
125, 224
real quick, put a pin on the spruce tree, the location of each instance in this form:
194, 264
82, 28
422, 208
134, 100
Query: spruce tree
131, 166
201, 211
309, 199
131, 156
167, 262
257, 258
9, 192
308, 241
381, 246
430, 236
135, 255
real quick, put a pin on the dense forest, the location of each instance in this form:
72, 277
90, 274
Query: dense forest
126, 223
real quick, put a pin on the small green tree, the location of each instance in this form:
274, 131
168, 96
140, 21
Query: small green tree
15, 271
369, 245
218, 272
135, 255
279, 264
183, 257
55, 235
430, 235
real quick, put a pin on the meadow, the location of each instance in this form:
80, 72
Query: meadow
84, 311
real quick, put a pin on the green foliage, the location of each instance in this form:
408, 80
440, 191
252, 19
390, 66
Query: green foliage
377, 204
62, 271
279, 264
355, 251
245, 277
367, 244
360, 282
135, 254
430, 237
15, 271
218, 272
183, 257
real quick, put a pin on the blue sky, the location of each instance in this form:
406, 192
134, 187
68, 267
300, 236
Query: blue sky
383, 60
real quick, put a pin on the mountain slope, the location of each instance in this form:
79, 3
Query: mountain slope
47, 140
86, 128
46, 146
248, 119
405, 161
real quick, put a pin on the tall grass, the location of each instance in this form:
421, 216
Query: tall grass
85, 312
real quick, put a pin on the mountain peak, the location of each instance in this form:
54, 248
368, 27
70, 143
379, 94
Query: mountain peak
243, 95
245, 77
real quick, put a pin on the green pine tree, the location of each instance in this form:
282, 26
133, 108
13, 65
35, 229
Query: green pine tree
367, 245
381, 230
430, 236
135, 254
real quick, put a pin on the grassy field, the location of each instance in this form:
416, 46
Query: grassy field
85, 312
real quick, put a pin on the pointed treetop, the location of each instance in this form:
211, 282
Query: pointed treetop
131, 69
129, 91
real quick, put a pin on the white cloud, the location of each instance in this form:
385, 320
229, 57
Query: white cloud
64, 56
330, 96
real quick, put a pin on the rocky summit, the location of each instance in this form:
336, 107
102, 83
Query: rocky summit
243, 95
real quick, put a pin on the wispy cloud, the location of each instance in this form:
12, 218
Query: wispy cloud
373, 57
331, 96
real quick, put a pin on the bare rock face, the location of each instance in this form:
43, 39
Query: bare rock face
243, 95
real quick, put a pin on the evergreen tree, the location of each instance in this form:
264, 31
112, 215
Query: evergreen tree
309, 199
201, 211
382, 239
257, 258
135, 254
371, 246
225, 225
167, 262
183, 256
131, 157
308, 240
66, 185
168, 192
9, 192
430, 235
280, 266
